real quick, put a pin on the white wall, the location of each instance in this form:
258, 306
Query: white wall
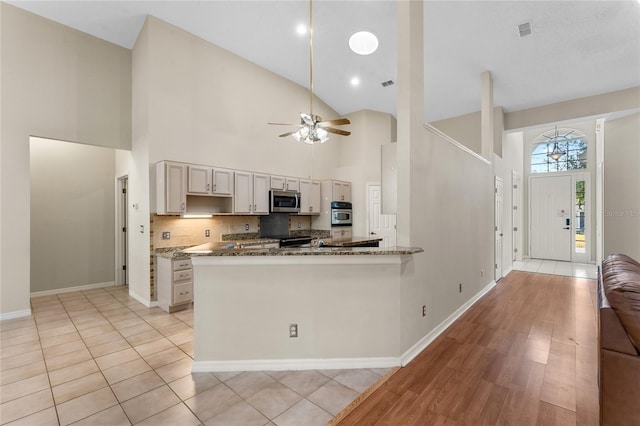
452, 218
621, 188
359, 159
72, 215
61, 84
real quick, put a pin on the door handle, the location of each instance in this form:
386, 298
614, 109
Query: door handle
567, 227
373, 233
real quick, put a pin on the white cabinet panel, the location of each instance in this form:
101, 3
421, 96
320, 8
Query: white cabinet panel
199, 180
222, 182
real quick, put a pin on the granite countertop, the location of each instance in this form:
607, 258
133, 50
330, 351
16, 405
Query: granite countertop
349, 242
239, 248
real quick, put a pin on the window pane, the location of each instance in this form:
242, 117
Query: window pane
578, 220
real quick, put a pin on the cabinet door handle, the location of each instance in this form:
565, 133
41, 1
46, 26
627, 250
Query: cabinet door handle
249, 207
255, 207
182, 206
208, 186
214, 187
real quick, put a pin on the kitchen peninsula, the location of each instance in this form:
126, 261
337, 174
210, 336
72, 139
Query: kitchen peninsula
298, 308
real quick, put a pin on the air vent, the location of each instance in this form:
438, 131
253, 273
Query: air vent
525, 29
387, 83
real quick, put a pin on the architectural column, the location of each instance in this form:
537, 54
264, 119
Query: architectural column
410, 23
486, 116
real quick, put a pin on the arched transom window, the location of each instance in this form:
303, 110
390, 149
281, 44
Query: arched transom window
559, 150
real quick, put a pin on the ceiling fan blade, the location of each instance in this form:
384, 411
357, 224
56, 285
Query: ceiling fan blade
336, 122
286, 134
282, 124
337, 131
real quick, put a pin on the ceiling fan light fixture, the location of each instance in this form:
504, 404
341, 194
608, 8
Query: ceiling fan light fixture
363, 43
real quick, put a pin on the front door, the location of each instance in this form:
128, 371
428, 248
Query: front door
550, 217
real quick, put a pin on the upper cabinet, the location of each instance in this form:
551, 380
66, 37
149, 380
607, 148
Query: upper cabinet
284, 183
341, 191
251, 193
222, 182
171, 197
203, 180
309, 197
194, 189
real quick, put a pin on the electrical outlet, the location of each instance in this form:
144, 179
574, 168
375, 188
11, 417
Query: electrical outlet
246, 227
293, 330
166, 235
460, 287
424, 310
481, 273
207, 233
299, 225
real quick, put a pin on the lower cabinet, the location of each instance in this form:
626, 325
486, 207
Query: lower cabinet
341, 233
174, 283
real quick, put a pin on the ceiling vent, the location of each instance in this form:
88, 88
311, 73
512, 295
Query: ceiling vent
387, 83
525, 29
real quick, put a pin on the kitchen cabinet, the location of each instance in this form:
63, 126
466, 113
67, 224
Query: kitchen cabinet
284, 183
341, 191
203, 180
174, 283
310, 195
171, 197
251, 193
341, 233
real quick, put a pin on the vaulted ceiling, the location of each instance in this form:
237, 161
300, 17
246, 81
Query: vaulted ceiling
576, 49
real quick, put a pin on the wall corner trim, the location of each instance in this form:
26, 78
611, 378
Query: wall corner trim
15, 315
421, 344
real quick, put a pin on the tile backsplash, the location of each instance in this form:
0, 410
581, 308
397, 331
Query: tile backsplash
187, 232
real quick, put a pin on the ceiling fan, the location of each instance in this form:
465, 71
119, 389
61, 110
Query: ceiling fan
312, 128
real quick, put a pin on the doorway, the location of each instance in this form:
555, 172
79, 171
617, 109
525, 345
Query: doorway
378, 224
499, 204
122, 242
516, 216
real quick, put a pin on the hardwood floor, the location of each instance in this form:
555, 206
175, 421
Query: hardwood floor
525, 354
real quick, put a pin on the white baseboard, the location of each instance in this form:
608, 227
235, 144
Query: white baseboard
294, 364
16, 314
421, 344
145, 302
72, 289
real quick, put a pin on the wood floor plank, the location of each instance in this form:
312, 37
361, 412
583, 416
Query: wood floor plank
524, 354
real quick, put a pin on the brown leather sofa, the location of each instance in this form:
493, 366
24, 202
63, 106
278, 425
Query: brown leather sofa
619, 340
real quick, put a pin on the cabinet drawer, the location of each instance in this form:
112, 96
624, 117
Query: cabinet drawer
181, 264
182, 293
186, 274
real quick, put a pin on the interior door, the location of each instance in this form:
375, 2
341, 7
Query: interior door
380, 225
516, 215
499, 205
550, 217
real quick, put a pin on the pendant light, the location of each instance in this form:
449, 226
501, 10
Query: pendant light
556, 153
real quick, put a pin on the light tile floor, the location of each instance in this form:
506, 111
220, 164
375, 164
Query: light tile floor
100, 357
553, 267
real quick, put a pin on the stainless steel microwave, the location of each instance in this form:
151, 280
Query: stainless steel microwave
284, 201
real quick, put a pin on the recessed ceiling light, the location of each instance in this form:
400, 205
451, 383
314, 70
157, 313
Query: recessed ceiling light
363, 43
301, 29
355, 81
